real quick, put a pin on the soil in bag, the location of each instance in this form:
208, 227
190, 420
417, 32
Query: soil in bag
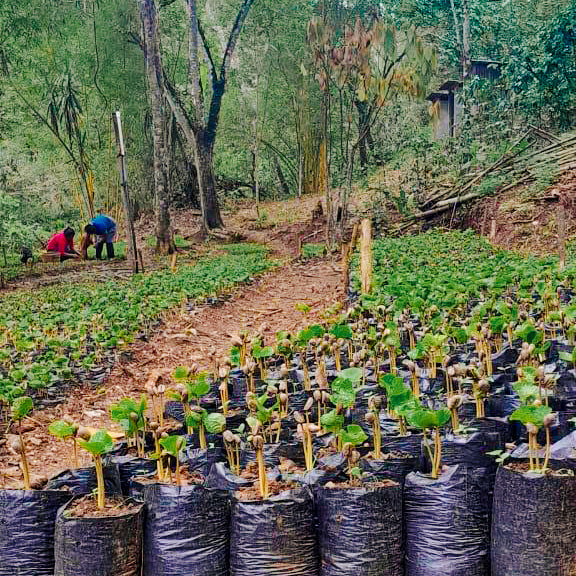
533, 524
274, 537
360, 530
81, 481
447, 523
131, 466
27, 519
185, 531
89, 542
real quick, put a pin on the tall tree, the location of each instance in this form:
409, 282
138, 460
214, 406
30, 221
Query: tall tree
155, 77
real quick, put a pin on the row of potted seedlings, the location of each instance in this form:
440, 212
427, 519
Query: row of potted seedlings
368, 447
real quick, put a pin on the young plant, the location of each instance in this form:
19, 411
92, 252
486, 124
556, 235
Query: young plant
232, 444
373, 419
100, 443
173, 446
534, 417
21, 407
66, 430
257, 442
454, 403
433, 420
350, 438
130, 414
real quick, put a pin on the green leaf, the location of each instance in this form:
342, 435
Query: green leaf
62, 429
199, 386
342, 331
353, 434
100, 443
352, 374
332, 421
343, 392
531, 415
215, 423
180, 373
21, 407
193, 419
173, 445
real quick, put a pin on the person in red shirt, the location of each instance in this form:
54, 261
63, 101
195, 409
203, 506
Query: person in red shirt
63, 243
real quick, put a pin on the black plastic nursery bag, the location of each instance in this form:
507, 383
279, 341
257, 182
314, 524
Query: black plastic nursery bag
27, 519
104, 546
130, 467
447, 523
274, 537
81, 481
360, 531
534, 525
185, 531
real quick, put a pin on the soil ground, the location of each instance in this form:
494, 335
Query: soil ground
197, 335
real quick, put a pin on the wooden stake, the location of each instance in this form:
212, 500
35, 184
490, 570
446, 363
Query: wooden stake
493, 230
173, 262
561, 223
346, 266
366, 255
132, 247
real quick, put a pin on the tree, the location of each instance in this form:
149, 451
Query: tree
155, 76
199, 123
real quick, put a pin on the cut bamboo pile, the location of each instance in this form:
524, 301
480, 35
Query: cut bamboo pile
519, 166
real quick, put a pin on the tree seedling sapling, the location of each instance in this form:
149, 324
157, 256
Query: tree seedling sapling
100, 443
373, 419
352, 436
66, 430
21, 407
433, 420
172, 446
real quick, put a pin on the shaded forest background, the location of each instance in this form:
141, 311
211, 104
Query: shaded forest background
297, 116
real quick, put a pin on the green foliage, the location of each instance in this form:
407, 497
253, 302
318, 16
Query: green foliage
21, 407
342, 392
130, 414
332, 421
427, 419
353, 434
62, 429
173, 445
531, 415
99, 444
50, 334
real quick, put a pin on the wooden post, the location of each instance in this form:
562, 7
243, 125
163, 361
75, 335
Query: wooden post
493, 230
131, 235
561, 223
366, 255
346, 267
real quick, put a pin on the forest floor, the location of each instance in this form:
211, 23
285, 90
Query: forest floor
200, 334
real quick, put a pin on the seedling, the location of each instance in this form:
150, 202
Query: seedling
534, 417
99, 444
257, 442
454, 403
21, 407
173, 446
66, 430
130, 414
232, 444
433, 420
351, 437
373, 419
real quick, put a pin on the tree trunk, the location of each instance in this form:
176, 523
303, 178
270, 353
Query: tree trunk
283, 185
466, 57
211, 216
154, 76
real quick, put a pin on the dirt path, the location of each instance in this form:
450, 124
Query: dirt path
185, 337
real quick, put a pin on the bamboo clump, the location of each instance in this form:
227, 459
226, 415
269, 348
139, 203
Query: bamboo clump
519, 166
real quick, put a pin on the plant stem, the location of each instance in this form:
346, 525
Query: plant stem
548, 450
377, 432
25, 469
100, 490
202, 434
262, 473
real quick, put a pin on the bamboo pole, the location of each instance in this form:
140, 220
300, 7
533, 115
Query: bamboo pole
132, 247
366, 255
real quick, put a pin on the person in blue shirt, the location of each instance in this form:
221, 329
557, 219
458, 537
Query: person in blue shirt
104, 230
